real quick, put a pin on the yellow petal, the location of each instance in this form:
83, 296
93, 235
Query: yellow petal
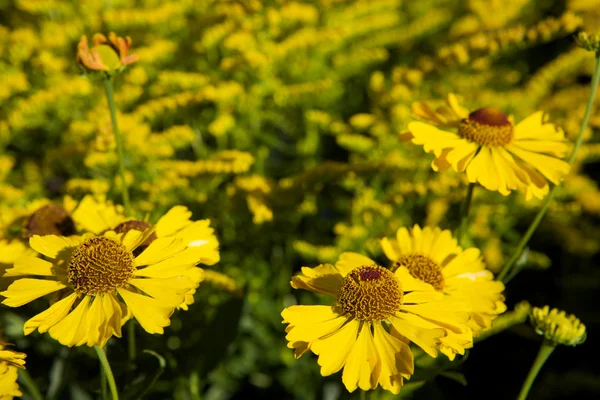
169, 292
50, 317
310, 323
552, 168
200, 234
468, 260
481, 169
72, 329
404, 241
443, 246
391, 249
333, 350
51, 245
159, 250
349, 261
150, 313
324, 278
28, 265
96, 217
432, 139
363, 366
533, 127
174, 220
116, 314
172, 266
397, 360
408, 283
25, 290
427, 339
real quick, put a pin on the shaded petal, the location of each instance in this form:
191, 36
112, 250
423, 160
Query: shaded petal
175, 265
159, 250
432, 139
408, 283
391, 249
427, 339
397, 360
482, 169
324, 278
97, 217
51, 245
73, 328
533, 127
169, 292
552, 168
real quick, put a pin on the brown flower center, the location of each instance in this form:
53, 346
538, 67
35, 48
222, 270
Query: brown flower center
138, 225
50, 220
487, 127
100, 265
423, 268
370, 293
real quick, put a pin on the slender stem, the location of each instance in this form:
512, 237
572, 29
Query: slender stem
586, 118
30, 384
464, 212
131, 339
363, 395
107, 372
545, 350
108, 85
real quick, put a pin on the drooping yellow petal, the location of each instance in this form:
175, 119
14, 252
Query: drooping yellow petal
28, 265
349, 261
427, 339
432, 139
552, 168
150, 313
460, 156
25, 290
397, 360
169, 292
51, 316
481, 170
324, 278
310, 323
72, 329
363, 365
116, 314
333, 350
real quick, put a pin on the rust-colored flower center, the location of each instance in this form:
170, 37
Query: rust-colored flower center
50, 220
487, 127
100, 265
370, 293
138, 225
423, 268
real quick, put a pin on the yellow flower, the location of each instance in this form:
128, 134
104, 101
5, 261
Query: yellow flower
376, 314
492, 150
107, 54
558, 327
99, 284
434, 257
99, 217
9, 362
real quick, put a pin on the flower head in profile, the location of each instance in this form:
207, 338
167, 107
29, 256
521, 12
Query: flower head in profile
108, 55
101, 216
558, 327
10, 361
434, 257
367, 331
99, 283
494, 152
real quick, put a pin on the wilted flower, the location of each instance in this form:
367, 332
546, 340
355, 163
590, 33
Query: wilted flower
108, 55
558, 327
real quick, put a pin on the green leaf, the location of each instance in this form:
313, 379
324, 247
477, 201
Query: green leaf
455, 376
146, 380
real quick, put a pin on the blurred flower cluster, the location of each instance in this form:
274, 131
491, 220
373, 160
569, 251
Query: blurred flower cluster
284, 123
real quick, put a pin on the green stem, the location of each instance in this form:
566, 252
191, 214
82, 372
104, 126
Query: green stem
586, 118
108, 85
545, 350
131, 339
363, 395
107, 371
30, 384
464, 212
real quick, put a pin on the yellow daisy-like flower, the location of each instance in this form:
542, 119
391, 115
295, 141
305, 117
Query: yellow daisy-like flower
434, 257
492, 150
99, 217
558, 327
9, 362
107, 54
367, 331
99, 284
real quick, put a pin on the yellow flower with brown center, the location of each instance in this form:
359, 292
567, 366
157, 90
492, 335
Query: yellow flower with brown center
558, 327
492, 150
434, 257
367, 331
99, 284
109, 55
98, 217
10, 361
